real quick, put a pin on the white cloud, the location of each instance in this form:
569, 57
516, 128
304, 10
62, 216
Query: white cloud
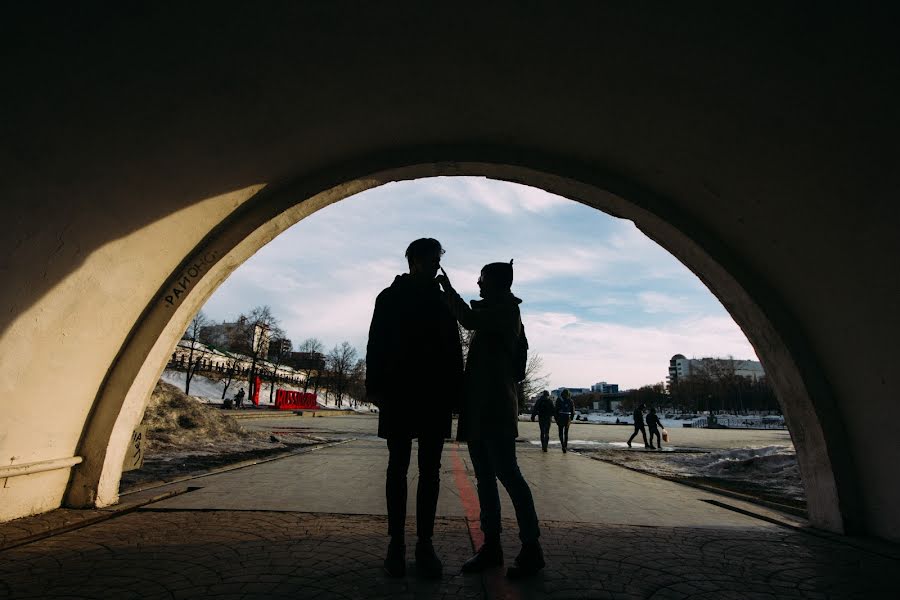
601, 300
657, 302
503, 198
579, 353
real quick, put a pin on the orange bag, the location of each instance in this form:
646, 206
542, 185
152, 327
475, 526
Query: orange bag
665, 435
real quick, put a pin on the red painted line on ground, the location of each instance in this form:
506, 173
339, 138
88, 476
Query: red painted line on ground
469, 498
496, 584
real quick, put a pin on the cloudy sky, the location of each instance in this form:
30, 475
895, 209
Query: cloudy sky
601, 302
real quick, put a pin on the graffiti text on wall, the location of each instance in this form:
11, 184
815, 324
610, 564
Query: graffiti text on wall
190, 276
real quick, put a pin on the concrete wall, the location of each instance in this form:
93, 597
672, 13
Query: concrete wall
756, 144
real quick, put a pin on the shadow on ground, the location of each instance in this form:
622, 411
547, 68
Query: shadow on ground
256, 554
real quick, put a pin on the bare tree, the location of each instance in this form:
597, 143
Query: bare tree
465, 340
311, 346
252, 336
230, 368
357, 385
277, 358
340, 363
649, 395
197, 351
535, 378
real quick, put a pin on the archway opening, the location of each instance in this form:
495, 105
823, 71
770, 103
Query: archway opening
605, 308
744, 294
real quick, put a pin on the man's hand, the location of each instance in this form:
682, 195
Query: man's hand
443, 280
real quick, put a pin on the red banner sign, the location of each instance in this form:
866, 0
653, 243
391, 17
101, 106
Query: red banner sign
288, 400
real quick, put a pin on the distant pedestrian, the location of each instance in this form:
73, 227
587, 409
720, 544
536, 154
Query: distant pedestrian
239, 398
639, 426
654, 425
488, 420
543, 410
565, 410
414, 339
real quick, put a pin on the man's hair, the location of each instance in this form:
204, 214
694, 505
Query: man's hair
423, 247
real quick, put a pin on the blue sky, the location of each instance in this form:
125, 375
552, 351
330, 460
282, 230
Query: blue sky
601, 301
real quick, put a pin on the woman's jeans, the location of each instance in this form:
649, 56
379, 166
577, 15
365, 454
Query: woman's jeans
495, 459
563, 424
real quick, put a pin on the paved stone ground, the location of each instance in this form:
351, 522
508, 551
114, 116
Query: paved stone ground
312, 526
263, 554
228, 554
13, 533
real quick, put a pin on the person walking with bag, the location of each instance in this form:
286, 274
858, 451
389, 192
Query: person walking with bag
413, 343
543, 409
654, 425
488, 419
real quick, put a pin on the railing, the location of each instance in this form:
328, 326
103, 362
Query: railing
739, 422
39, 466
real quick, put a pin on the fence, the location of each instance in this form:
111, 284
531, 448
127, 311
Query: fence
740, 422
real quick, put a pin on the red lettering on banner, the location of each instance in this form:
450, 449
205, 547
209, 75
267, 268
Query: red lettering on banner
289, 400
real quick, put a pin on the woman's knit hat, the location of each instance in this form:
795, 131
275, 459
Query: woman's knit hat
501, 273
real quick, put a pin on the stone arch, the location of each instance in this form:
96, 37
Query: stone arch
800, 381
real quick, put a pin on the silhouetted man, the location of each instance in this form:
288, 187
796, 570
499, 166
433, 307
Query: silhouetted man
414, 375
488, 419
543, 410
639, 426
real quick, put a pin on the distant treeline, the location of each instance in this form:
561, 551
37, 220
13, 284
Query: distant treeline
699, 392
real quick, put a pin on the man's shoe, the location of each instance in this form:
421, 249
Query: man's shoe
395, 561
629, 444
427, 562
489, 555
529, 561
652, 447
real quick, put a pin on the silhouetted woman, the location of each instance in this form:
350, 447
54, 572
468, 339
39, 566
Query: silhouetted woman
565, 410
488, 419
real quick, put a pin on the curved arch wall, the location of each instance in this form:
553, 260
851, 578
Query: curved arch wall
729, 138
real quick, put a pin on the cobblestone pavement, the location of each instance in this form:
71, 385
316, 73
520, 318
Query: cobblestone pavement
19, 531
251, 554
228, 554
313, 526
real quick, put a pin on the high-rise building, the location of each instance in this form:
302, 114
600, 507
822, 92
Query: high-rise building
280, 347
235, 336
573, 391
605, 388
681, 367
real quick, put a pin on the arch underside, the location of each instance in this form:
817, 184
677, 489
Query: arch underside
757, 145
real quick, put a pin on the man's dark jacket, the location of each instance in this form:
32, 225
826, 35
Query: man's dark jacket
543, 408
414, 364
638, 417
